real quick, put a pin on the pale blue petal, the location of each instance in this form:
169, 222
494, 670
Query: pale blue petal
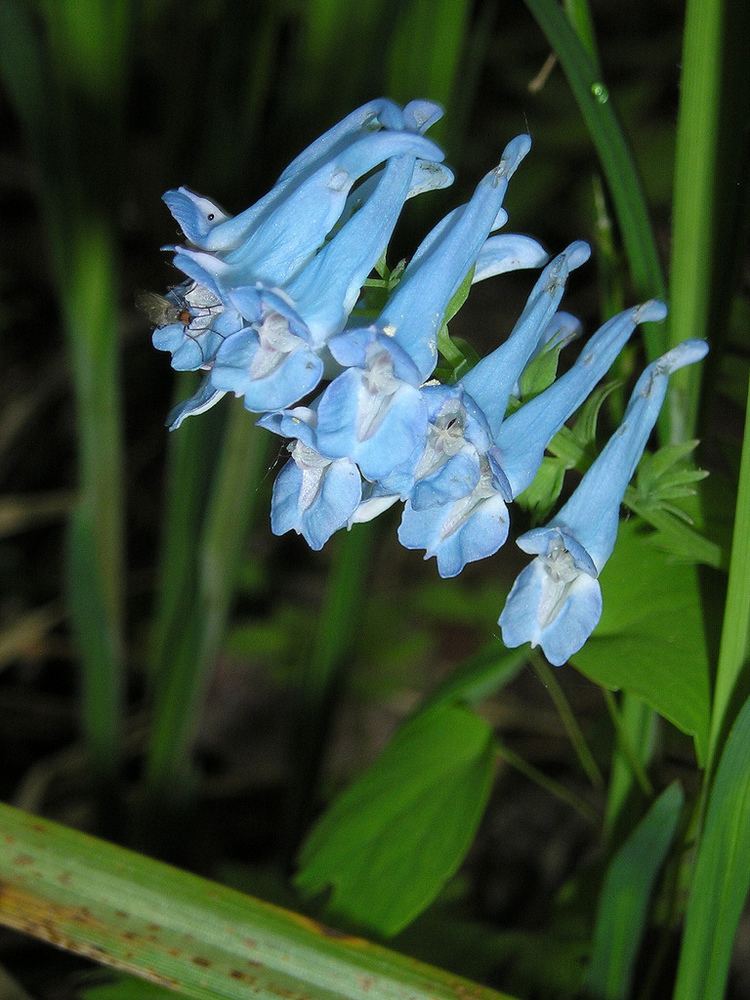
298, 422
414, 312
456, 479
420, 115
519, 620
523, 437
288, 235
206, 397
457, 533
364, 119
491, 381
377, 431
509, 252
591, 514
316, 518
326, 290
196, 215
574, 623
354, 347
293, 376
559, 618
169, 337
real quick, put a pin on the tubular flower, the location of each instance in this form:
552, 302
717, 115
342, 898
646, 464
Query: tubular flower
374, 412
556, 601
278, 305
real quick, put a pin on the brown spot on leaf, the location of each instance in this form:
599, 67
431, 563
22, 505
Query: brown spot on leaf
200, 960
23, 859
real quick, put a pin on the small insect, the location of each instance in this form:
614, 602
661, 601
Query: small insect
161, 311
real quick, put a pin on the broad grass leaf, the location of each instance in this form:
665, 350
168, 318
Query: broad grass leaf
651, 638
193, 936
624, 898
722, 874
388, 844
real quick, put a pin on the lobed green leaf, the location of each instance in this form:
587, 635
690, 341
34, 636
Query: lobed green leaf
389, 843
651, 638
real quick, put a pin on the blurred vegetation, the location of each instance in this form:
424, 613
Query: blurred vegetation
174, 677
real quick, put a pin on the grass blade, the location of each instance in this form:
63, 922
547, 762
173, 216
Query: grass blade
51, 71
722, 874
624, 898
436, 29
635, 726
616, 159
694, 211
322, 674
188, 934
736, 624
180, 690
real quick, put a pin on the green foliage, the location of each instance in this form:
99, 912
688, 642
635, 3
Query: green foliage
390, 841
664, 477
460, 357
721, 876
624, 899
650, 640
188, 934
616, 159
125, 988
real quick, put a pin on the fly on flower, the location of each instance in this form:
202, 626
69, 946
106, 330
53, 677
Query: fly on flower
160, 311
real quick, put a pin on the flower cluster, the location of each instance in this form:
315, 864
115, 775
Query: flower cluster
275, 304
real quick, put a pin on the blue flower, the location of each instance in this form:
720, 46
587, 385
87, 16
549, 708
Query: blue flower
199, 323
289, 232
492, 380
522, 438
470, 528
208, 227
203, 399
271, 361
556, 600
312, 495
374, 412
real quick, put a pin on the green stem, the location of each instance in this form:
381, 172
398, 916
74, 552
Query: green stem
568, 719
555, 788
625, 745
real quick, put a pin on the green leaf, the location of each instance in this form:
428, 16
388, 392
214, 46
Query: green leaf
722, 874
541, 496
481, 675
125, 988
388, 844
624, 898
731, 671
186, 933
540, 372
460, 359
585, 426
678, 538
651, 640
